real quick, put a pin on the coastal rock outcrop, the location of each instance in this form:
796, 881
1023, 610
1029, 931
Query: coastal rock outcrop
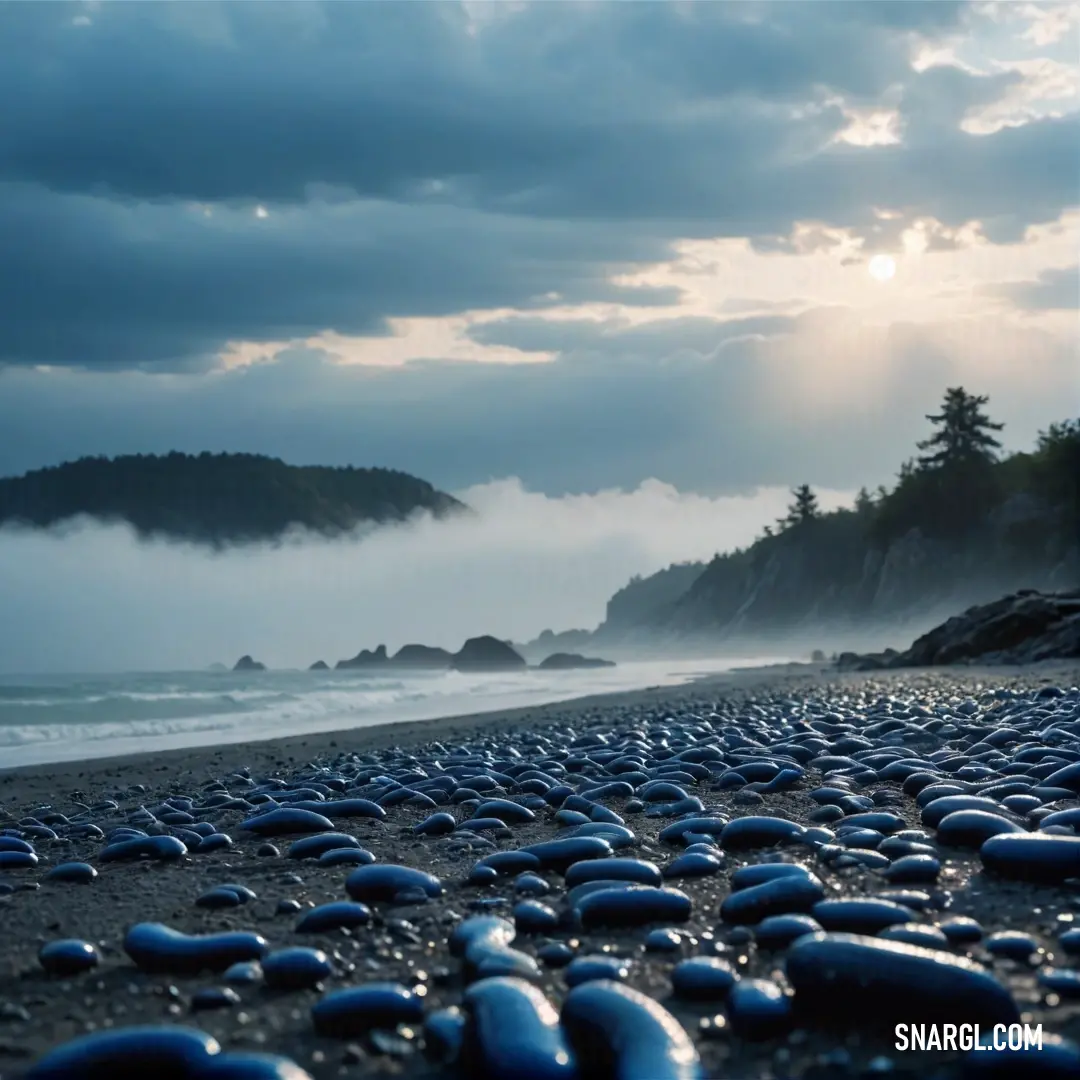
422, 656
487, 653
1024, 627
246, 663
364, 658
562, 661
319, 665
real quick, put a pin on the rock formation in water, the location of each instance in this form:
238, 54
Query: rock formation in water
246, 663
562, 661
487, 653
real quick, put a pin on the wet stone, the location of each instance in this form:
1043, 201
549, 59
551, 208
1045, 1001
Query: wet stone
210, 998
157, 948
295, 968
161, 848
759, 1009
794, 893
336, 915
635, 905
612, 1023
778, 931
746, 833
693, 864
287, 820
359, 1009
913, 870
387, 881
1032, 857
313, 847
961, 930
589, 968
77, 873
859, 916
638, 871
1012, 945
532, 917
703, 978
860, 981
68, 957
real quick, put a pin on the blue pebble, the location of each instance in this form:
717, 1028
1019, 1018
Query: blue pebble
358, 1009
210, 998
1064, 982
794, 893
779, 931
387, 881
929, 937
866, 982
634, 905
68, 957
215, 842
705, 826
296, 968
913, 870
750, 832
444, 1035
584, 969
972, 828
161, 950
703, 978
859, 915
313, 847
637, 1036
636, 870
133, 1053
482, 875
346, 856
162, 848
287, 820
1013, 945
16, 843
78, 873
531, 884
747, 877
1033, 857
961, 930
510, 862
693, 864
333, 916
513, 1033
663, 940
438, 824
559, 855
532, 917
759, 1009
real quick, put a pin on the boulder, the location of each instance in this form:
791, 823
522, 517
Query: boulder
1023, 627
245, 663
487, 653
562, 661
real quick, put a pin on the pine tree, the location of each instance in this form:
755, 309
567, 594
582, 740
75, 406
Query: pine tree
963, 435
804, 508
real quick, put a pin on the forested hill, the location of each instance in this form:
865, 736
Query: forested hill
216, 498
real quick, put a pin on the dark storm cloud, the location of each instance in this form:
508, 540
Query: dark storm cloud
413, 164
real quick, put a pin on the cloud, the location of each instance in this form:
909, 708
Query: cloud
1056, 289
833, 400
97, 599
180, 177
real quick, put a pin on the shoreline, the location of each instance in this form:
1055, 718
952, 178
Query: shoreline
44, 780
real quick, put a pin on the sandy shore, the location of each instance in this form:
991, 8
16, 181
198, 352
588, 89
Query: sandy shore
38, 1011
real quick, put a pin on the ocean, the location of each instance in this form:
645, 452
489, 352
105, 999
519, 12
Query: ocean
54, 718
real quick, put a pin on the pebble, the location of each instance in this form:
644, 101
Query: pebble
68, 957
635, 905
358, 1009
703, 978
387, 881
78, 873
621, 1033
636, 870
287, 820
865, 982
779, 931
791, 893
584, 969
759, 1009
513, 1033
746, 833
295, 968
860, 916
157, 948
162, 848
1033, 857
333, 916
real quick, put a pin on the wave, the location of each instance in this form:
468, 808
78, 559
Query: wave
55, 718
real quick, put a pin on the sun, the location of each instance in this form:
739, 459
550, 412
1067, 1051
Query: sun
882, 267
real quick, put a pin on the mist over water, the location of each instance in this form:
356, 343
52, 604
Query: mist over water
94, 598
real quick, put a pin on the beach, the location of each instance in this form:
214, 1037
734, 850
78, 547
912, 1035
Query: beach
405, 941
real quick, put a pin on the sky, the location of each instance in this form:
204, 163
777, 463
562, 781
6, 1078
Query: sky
562, 250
